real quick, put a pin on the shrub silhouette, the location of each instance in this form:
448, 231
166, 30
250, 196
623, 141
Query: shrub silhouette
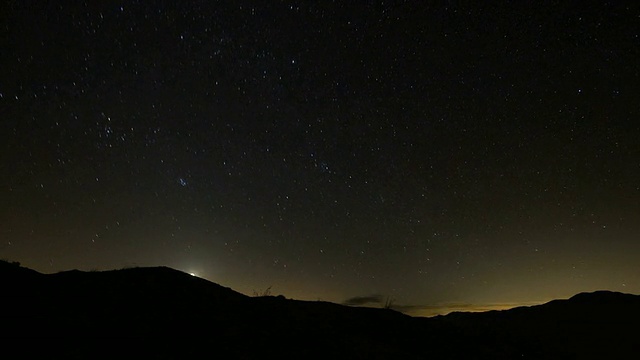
388, 304
266, 292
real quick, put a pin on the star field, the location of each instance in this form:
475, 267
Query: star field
433, 154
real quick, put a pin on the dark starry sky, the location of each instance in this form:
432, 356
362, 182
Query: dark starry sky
450, 153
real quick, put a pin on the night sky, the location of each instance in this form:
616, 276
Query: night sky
466, 154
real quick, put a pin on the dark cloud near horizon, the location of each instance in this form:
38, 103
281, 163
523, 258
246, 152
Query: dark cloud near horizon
363, 300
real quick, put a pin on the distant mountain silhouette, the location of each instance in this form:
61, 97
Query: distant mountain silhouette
172, 314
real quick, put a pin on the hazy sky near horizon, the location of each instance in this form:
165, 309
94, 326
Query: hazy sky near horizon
464, 153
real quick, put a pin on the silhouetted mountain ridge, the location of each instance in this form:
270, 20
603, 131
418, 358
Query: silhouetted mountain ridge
601, 296
163, 303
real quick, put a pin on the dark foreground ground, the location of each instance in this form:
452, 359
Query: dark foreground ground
160, 313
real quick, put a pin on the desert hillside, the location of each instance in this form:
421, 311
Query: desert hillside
170, 308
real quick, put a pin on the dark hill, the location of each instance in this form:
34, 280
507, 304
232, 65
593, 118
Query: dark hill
171, 314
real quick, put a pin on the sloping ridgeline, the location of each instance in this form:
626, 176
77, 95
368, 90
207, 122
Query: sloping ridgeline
171, 314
